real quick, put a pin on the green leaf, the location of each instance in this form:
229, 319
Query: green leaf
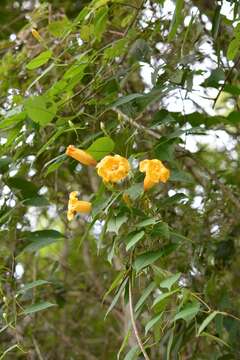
153, 322
116, 222
207, 321
38, 200
126, 99
37, 307
176, 20
233, 49
59, 28
32, 285
133, 239
13, 120
215, 338
115, 283
145, 295
163, 296
150, 257
42, 238
135, 191
101, 147
188, 312
147, 222
40, 109
117, 296
132, 353
169, 282
39, 60
4, 164
22, 186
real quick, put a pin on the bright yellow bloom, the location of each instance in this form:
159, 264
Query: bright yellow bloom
76, 206
155, 172
113, 168
80, 155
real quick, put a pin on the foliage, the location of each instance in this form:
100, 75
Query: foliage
149, 274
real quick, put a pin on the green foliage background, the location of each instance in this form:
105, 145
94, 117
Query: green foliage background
166, 262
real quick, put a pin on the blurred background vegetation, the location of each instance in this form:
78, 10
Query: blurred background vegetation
161, 79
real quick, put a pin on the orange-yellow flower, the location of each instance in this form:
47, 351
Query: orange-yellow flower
155, 172
113, 168
80, 155
76, 206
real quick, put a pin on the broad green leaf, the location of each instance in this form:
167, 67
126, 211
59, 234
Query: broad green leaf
40, 109
22, 187
145, 295
42, 238
101, 147
135, 191
188, 312
206, 322
163, 296
59, 28
176, 20
169, 282
115, 222
150, 257
32, 285
4, 164
39, 60
153, 322
37, 307
100, 22
134, 239
38, 200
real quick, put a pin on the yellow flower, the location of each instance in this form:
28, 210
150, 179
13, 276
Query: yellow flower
80, 155
113, 168
76, 206
155, 172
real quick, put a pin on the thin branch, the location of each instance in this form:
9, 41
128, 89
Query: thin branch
133, 321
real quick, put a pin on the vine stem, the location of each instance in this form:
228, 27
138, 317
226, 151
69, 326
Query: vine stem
133, 321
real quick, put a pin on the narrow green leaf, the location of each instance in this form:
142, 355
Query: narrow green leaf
147, 222
115, 222
145, 295
188, 312
153, 322
207, 321
163, 296
101, 147
176, 20
40, 239
215, 338
126, 99
32, 285
116, 297
132, 353
114, 284
134, 239
169, 282
37, 307
150, 257
39, 60
233, 49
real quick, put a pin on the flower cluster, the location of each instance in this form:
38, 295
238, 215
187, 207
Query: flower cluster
113, 169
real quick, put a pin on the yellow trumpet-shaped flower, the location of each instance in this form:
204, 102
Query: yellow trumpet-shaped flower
155, 172
76, 206
113, 168
80, 155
